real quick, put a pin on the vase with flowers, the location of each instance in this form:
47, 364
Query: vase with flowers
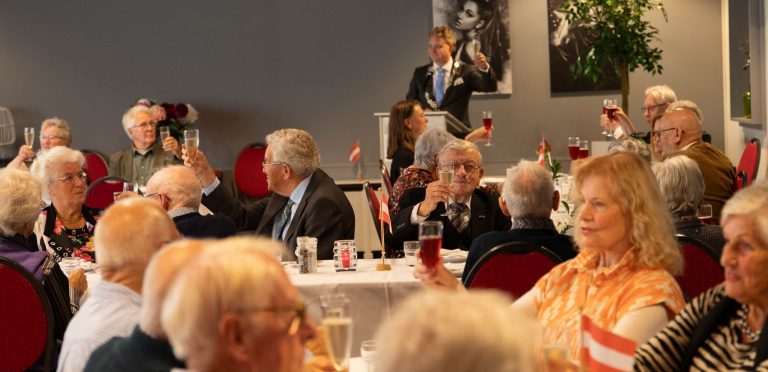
178, 117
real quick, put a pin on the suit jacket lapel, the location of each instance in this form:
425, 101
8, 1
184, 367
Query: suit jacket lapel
275, 205
289, 234
478, 221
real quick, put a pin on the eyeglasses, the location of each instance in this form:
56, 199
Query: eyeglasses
657, 133
69, 179
50, 138
296, 320
469, 168
645, 109
145, 125
265, 163
151, 195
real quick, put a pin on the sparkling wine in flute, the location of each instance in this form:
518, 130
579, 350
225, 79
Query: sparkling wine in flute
338, 338
192, 143
446, 177
430, 249
29, 136
164, 133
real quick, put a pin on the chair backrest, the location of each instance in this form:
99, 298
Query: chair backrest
702, 268
513, 267
373, 204
249, 176
101, 193
95, 166
385, 178
27, 320
748, 165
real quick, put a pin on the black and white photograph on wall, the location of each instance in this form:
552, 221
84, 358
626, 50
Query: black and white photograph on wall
479, 25
566, 43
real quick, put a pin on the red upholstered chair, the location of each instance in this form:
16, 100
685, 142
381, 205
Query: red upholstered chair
702, 268
513, 267
750, 161
385, 176
249, 176
95, 166
26, 324
100, 194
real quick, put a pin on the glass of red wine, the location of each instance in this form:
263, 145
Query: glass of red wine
488, 124
705, 213
584, 149
430, 242
573, 147
609, 108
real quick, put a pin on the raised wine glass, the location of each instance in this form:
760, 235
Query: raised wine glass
584, 149
609, 108
29, 140
488, 124
165, 132
337, 326
191, 141
445, 172
573, 147
430, 241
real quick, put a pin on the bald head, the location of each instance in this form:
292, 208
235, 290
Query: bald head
676, 129
130, 232
177, 187
160, 273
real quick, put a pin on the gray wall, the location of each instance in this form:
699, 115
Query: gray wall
251, 67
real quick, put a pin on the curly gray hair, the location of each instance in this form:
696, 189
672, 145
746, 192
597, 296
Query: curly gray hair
681, 183
44, 168
428, 145
528, 190
295, 148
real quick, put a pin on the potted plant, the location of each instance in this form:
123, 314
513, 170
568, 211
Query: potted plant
619, 38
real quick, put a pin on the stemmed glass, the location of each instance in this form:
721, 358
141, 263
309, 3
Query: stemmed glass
574, 143
191, 141
165, 132
446, 172
488, 124
29, 140
705, 213
337, 326
584, 149
609, 108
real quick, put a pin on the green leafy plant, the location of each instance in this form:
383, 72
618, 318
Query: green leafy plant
619, 38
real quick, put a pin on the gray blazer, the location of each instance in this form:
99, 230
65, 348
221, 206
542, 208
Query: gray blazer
121, 162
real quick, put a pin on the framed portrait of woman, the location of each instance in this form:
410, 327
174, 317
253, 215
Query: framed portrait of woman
479, 26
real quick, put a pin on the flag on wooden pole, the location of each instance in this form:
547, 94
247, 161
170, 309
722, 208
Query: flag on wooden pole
605, 351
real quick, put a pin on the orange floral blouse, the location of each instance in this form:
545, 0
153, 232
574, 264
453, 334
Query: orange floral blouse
604, 294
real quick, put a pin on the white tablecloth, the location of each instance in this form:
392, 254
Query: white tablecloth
373, 294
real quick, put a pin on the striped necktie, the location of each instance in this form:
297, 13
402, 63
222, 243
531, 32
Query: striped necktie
459, 215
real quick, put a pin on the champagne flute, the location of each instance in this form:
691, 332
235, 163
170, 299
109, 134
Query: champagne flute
165, 132
475, 47
29, 140
488, 124
430, 241
446, 172
191, 141
337, 327
609, 108
573, 147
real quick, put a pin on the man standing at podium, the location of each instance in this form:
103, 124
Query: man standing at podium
446, 84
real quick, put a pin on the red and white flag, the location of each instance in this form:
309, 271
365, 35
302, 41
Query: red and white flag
544, 149
354, 153
384, 211
602, 350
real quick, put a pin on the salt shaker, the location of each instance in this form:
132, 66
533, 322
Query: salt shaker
306, 254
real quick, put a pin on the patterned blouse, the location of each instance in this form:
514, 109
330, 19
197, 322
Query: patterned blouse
604, 294
723, 349
60, 241
411, 177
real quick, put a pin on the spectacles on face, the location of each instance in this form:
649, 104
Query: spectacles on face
50, 138
297, 318
469, 168
645, 109
265, 163
70, 178
145, 125
657, 133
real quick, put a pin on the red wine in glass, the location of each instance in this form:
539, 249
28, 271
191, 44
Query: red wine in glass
430, 250
573, 147
706, 220
488, 123
610, 111
583, 153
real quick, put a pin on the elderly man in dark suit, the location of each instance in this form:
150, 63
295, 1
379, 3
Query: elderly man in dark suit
529, 197
471, 211
305, 201
446, 84
177, 189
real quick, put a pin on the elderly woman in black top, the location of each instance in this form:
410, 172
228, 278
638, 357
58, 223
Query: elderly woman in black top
724, 328
20, 194
65, 227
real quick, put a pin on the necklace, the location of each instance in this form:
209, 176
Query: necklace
746, 330
76, 220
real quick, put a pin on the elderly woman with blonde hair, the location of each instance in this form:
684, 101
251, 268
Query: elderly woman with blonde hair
622, 277
53, 132
20, 194
724, 328
65, 227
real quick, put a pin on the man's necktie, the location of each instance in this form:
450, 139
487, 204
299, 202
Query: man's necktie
459, 215
285, 218
440, 85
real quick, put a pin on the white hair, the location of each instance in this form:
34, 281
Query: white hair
20, 193
687, 105
681, 183
179, 183
662, 92
428, 145
458, 332
129, 118
295, 148
462, 146
746, 201
48, 162
528, 190
230, 275
59, 124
